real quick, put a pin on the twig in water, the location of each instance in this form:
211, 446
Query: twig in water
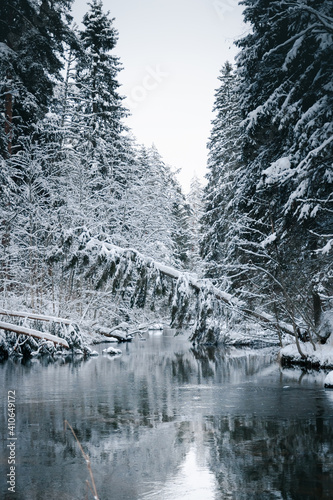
91, 486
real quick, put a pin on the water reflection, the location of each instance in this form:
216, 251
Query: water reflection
192, 481
169, 422
273, 458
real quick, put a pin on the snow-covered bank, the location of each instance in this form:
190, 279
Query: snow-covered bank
25, 334
22, 335
30, 335
248, 333
320, 357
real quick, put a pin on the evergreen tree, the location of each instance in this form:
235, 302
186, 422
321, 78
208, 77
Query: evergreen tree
96, 78
195, 199
182, 233
32, 36
284, 192
223, 163
99, 134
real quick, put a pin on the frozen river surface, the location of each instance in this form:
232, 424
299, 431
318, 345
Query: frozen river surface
165, 422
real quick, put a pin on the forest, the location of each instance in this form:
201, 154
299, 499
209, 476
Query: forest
95, 227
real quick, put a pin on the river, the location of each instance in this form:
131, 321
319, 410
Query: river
163, 421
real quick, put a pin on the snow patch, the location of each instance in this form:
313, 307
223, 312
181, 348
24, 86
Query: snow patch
112, 351
327, 248
278, 171
267, 241
298, 193
321, 357
314, 211
292, 54
305, 211
5, 50
252, 117
328, 382
155, 326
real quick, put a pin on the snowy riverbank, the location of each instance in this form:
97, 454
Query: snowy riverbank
318, 356
43, 335
27, 334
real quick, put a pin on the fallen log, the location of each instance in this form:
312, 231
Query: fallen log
40, 317
114, 332
198, 285
21, 330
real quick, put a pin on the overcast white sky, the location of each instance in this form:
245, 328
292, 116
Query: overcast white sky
172, 52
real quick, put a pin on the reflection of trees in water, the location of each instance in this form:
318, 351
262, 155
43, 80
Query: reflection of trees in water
263, 458
230, 363
136, 418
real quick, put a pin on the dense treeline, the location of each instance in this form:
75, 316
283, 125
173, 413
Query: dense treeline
71, 170
72, 174
268, 221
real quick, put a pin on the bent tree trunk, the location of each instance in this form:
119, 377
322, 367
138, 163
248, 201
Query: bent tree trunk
21, 330
124, 265
39, 317
317, 309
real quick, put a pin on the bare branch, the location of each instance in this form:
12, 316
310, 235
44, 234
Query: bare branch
85, 456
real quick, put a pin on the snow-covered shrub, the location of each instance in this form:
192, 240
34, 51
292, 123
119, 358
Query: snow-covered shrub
12, 344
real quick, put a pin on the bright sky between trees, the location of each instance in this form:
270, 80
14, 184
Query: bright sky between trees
172, 52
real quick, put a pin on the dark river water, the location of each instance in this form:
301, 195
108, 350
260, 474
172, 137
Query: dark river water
165, 422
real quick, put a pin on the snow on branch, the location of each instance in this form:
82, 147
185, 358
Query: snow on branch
110, 250
113, 262
40, 317
322, 21
326, 21
292, 39
327, 248
6, 51
313, 153
278, 171
33, 333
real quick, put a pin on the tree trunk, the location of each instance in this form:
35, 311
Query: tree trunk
21, 330
317, 309
9, 117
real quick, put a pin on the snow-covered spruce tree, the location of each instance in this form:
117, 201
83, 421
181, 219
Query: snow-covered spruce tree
95, 122
96, 156
196, 204
99, 104
285, 188
219, 218
32, 37
181, 233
